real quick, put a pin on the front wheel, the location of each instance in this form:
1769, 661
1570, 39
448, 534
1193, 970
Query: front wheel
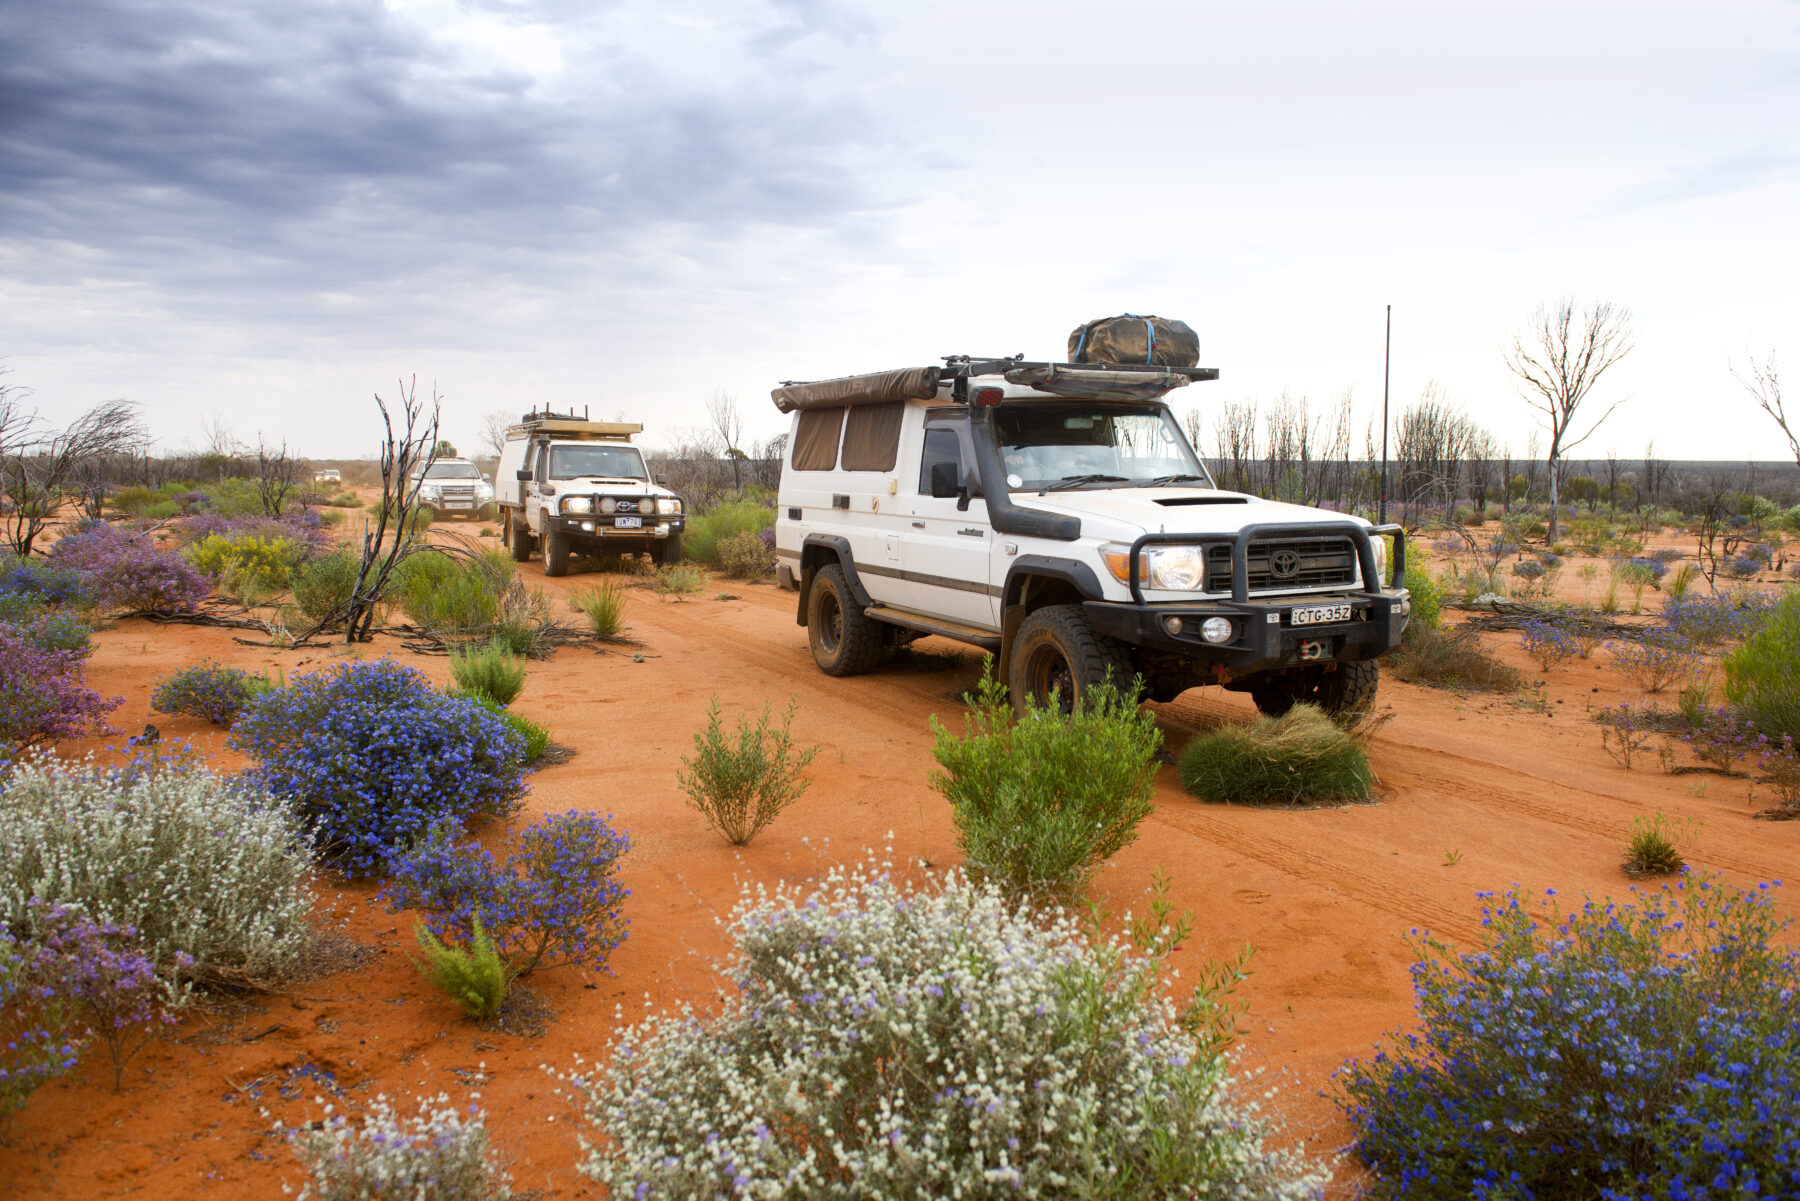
1344, 694
1057, 658
556, 551
843, 639
666, 552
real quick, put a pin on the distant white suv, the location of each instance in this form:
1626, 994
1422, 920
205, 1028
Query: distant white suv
455, 488
1055, 515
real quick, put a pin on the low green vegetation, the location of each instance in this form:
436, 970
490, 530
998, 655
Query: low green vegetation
492, 671
1301, 757
742, 783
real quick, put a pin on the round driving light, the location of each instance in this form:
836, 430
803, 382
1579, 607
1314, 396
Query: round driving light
607, 504
1172, 624
1216, 629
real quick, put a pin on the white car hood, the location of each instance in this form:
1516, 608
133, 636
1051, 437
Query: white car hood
1137, 511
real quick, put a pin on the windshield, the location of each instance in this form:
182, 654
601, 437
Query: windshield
1116, 445
452, 471
612, 462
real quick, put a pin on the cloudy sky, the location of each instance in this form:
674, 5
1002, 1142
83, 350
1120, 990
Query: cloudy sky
270, 211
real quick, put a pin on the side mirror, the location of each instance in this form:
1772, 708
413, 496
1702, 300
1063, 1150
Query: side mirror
523, 475
946, 480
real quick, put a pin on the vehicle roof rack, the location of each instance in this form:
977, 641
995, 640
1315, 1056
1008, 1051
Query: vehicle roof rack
966, 366
1087, 381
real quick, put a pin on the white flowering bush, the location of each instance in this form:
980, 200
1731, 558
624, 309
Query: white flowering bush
210, 874
438, 1155
931, 1044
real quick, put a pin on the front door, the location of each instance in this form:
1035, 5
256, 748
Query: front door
948, 551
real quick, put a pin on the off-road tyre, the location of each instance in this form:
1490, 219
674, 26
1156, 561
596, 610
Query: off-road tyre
1344, 694
844, 640
1057, 650
556, 551
518, 536
666, 552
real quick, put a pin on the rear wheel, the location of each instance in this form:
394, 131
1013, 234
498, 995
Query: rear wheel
518, 536
1344, 694
556, 551
1056, 653
844, 641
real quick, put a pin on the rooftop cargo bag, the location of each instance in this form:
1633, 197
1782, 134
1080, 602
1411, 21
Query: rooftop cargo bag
1129, 339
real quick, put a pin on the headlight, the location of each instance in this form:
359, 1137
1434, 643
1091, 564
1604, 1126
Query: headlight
1176, 568
1379, 545
577, 504
671, 504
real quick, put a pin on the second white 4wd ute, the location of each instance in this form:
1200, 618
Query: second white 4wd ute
1055, 515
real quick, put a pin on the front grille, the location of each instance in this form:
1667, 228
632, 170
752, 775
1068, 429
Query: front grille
1314, 562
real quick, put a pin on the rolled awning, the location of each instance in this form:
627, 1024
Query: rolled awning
906, 383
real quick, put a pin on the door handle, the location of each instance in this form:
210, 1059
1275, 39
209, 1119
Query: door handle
918, 525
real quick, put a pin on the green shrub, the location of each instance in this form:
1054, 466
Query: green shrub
1642, 1049
1652, 850
706, 531
1763, 675
1446, 660
347, 500
445, 593
1427, 599
604, 607
1042, 800
132, 501
742, 788
746, 556
322, 588
1298, 757
493, 671
475, 976
682, 579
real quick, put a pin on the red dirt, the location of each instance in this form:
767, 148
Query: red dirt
1517, 793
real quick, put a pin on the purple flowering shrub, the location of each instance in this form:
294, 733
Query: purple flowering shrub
96, 972
1708, 620
556, 900
1722, 738
1625, 1050
44, 696
39, 1040
129, 571
208, 690
1548, 643
45, 583
1656, 661
373, 759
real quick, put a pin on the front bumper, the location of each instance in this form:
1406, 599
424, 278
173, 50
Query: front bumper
1263, 636
601, 525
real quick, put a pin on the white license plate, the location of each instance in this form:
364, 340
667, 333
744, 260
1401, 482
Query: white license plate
1320, 614
628, 523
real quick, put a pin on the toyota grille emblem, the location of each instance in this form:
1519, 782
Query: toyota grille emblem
1284, 564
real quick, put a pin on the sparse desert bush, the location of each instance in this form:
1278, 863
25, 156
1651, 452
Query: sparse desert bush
941, 1043
96, 972
208, 690
742, 785
373, 758
1451, 660
1548, 643
1043, 799
475, 976
128, 571
1637, 1049
1652, 849
556, 900
706, 532
1655, 661
493, 671
604, 607
747, 556
682, 579
1300, 757
1623, 733
1722, 738
210, 874
1763, 675
441, 1154
1780, 760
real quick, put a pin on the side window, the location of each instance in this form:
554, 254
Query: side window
816, 438
941, 446
872, 436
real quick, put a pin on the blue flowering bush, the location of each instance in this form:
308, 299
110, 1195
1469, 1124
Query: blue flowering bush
208, 690
1548, 643
44, 582
1709, 620
1656, 661
555, 900
373, 759
1625, 1050
39, 1040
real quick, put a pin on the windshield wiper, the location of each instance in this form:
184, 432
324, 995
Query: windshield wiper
1163, 481
1076, 481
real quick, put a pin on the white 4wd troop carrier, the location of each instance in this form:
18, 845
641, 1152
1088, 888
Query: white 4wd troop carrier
570, 485
1055, 515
